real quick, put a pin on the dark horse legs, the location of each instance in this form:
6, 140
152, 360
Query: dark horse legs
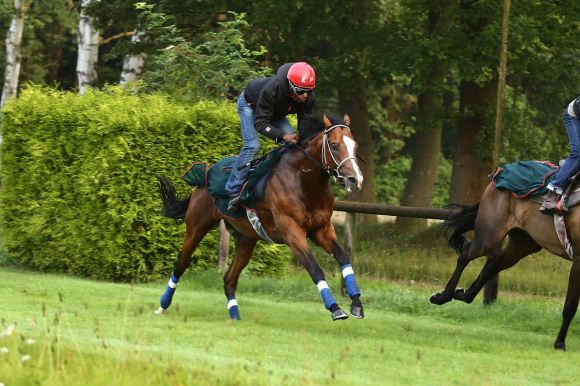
196, 229
326, 239
519, 246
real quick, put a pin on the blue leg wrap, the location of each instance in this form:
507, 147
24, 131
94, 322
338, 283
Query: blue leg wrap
326, 294
350, 281
169, 291
233, 309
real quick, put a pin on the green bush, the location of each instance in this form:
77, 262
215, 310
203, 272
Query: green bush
78, 194
391, 177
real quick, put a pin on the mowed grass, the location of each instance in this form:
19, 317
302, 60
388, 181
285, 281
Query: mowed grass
386, 252
82, 332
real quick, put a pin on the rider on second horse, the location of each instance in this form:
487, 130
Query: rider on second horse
263, 107
554, 202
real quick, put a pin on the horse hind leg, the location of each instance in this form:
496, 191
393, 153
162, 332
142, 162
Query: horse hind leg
570, 305
243, 252
519, 245
199, 221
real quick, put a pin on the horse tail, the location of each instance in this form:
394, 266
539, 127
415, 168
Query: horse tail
458, 224
173, 206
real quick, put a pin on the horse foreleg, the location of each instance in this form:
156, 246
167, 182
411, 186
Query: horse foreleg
295, 238
520, 245
326, 239
570, 305
199, 220
242, 255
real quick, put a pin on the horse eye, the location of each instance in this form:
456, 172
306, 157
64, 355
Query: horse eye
334, 146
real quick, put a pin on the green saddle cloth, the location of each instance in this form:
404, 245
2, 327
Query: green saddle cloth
216, 177
525, 178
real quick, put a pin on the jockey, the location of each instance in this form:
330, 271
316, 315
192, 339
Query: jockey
554, 202
263, 107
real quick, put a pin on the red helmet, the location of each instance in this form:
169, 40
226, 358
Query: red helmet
302, 75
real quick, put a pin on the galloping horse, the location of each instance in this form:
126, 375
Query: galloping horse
297, 204
497, 215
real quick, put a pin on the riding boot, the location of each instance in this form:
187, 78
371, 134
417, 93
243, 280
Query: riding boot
550, 204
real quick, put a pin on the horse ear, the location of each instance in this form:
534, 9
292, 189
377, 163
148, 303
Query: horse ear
326, 121
346, 120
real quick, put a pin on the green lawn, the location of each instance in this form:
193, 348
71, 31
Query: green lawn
95, 333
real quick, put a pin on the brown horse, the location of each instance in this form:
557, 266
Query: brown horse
297, 205
498, 215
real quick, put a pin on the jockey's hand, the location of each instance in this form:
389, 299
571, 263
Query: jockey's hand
290, 138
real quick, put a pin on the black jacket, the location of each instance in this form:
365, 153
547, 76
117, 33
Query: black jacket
271, 100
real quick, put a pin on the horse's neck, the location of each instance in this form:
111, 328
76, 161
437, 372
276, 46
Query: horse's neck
309, 169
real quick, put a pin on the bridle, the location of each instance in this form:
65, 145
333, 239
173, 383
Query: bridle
326, 150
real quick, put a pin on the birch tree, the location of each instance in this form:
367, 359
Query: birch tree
88, 49
13, 41
134, 62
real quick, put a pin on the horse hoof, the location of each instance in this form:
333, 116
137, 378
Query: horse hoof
459, 294
234, 313
357, 312
339, 314
160, 311
560, 346
439, 299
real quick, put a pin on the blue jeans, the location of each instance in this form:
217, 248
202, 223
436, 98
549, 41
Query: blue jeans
251, 145
572, 164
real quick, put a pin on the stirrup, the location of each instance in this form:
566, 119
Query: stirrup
234, 201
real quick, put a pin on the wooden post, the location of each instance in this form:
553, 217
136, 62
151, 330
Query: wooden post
223, 246
349, 224
491, 288
490, 291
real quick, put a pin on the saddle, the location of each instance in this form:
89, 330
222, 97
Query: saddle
529, 180
215, 177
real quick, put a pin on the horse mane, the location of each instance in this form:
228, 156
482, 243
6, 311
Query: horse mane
313, 125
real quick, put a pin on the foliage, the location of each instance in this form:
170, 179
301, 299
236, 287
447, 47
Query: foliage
217, 68
391, 177
78, 191
523, 138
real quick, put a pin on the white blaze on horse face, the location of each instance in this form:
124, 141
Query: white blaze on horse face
350, 145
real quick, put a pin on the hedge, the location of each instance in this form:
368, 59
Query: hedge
78, 193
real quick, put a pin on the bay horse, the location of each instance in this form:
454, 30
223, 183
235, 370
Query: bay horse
297, 205
497, 215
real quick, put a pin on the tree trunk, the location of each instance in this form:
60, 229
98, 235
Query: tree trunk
421, 181
88, 50
355, 105
427, 147
133, 63
13, 58
472, 159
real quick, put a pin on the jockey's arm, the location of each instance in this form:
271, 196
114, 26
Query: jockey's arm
263, 115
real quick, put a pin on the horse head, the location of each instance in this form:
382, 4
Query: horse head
339, 155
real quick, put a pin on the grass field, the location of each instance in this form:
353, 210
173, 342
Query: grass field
70, 331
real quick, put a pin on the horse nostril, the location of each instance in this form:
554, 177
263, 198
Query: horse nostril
352, 180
